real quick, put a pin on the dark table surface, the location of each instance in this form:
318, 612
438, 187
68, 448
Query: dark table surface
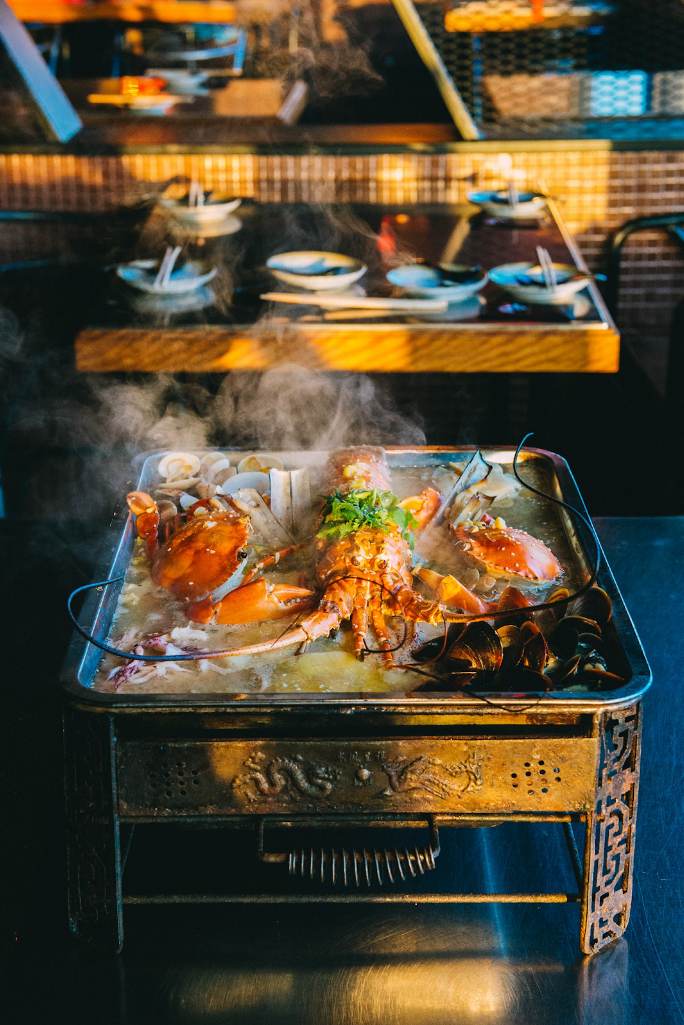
390, 966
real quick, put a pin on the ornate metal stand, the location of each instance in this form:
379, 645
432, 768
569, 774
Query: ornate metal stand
478, 769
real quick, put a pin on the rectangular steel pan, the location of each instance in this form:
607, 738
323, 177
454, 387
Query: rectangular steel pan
83, 658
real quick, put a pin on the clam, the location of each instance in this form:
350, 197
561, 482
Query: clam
175, 488
259, 463
257, 481
212, 464
473, 510
167, 510
176, 465
475, 471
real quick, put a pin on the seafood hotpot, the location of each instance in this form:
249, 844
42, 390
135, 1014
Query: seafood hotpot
336, 735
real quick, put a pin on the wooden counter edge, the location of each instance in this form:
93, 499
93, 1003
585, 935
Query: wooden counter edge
452, 349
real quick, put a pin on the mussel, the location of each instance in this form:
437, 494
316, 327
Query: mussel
478, 648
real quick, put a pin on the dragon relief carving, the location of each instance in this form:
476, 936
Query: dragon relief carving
285, 776
432, 776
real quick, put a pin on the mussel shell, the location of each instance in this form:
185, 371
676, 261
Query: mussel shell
434, 647
593, 661
564, 639
600, 679
558, 598
582, 624
594, 604
449, 684
592, 643
535, 652
512, 643
566, 669
478, 646
523, 679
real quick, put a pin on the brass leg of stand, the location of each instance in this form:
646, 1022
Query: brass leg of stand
93, 836
609, 847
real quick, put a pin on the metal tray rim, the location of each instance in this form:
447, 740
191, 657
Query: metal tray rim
114, 550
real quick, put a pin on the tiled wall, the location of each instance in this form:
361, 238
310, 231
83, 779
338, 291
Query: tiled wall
597, 190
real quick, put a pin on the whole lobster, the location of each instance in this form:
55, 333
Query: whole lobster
363, 568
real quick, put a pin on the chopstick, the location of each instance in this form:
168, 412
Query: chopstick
195, 194
166, 267
352, 302
362, 314
547, 268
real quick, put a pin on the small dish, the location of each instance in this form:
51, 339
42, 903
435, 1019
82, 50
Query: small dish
158, 103
530, 205
421, 280
570, 281
215, 206
183, 82
143, 275
316, 271
209, 229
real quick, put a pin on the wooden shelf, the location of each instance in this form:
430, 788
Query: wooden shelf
55, 12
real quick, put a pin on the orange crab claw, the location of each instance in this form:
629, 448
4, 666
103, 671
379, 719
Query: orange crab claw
423, 506
258, 601
452, 592
146, 513
510, 551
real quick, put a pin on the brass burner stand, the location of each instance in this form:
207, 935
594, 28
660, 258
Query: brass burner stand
398, 767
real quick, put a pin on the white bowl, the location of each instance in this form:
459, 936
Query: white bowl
216, 208
427, 283
527, 208
303, 270
570, 281
142, 274
210, 229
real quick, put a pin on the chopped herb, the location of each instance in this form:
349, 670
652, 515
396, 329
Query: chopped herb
343, 514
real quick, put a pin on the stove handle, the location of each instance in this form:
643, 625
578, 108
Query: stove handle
355, 866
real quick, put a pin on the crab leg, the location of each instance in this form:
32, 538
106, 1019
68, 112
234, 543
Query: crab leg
452, 592
338, 604
268, 560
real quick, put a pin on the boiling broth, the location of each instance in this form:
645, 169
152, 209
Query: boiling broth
328, 665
